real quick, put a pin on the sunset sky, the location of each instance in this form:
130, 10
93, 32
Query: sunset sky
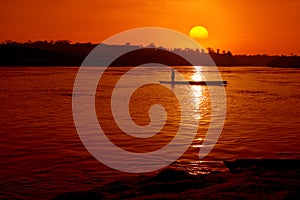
241, 26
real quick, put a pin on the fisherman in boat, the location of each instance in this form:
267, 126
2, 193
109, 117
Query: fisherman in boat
173, 75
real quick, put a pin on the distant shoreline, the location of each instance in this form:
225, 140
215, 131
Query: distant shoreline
62, 53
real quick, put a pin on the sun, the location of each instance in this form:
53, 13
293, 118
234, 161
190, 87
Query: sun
198, 32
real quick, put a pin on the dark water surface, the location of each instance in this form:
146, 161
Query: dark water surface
42, 154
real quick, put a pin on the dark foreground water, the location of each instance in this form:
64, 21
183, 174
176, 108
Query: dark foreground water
42, 154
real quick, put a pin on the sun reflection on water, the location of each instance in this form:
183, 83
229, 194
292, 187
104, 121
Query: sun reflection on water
197, 76
197, 90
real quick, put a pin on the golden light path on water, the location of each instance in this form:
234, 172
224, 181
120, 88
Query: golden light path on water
197, 74
198, 97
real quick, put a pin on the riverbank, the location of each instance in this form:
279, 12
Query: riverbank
241, 183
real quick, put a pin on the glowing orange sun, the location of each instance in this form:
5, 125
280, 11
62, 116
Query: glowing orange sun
198, 32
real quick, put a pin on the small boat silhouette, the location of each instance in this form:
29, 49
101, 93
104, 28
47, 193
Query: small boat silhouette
195, 82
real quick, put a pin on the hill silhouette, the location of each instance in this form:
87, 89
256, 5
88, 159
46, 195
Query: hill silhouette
65, 53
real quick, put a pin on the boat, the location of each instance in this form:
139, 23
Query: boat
195, 82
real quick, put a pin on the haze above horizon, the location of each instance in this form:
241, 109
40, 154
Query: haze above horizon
259, 27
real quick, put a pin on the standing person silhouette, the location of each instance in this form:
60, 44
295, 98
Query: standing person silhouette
173, 75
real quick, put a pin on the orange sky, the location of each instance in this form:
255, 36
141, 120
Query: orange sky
242, 26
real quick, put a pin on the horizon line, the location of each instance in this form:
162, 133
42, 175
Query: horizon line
150, 45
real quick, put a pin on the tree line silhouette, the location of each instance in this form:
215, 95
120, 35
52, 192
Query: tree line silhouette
65, 53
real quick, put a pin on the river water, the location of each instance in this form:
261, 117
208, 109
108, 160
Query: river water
42, 154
